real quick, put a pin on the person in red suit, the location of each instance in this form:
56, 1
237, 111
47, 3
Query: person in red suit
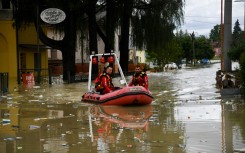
103, 82
139, 78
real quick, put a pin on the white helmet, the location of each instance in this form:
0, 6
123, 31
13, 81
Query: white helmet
107, 64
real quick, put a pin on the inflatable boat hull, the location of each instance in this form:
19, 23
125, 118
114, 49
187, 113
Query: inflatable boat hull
135, 95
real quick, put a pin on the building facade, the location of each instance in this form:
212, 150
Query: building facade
20, 50
8, 44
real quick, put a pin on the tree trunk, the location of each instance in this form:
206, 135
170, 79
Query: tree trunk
93, 46
110, 25
67, 46
124, 42
68, 52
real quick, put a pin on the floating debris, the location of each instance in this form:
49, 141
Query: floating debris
58, 95
181, 137
36, 87
18, 138
9, 139
9, 98
242, 150
123, 150
32, 127
64, 144
129, 146
115, 114
6, 121
69, 132
34, 100
15, 126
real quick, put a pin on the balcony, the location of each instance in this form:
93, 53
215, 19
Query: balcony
6, 14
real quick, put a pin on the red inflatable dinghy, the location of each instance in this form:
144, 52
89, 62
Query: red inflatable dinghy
135, 95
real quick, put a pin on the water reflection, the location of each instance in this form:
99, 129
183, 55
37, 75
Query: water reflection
111, 118
114, 127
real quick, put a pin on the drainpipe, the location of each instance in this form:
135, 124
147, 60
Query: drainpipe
17, 41
38, 48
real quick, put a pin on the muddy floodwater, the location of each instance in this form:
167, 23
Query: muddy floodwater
188, 115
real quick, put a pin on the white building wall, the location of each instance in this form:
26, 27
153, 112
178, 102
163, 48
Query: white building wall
137, 56
82, 48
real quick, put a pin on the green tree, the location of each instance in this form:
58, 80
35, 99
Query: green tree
215, 33
242, 72
237, 52
203, 48
237, 49
153, 23
185, 42
238, 42
236, 31
171, 52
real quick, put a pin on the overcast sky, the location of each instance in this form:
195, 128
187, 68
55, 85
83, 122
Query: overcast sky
201, 16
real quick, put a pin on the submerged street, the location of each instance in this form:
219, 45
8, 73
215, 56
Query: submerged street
188, 115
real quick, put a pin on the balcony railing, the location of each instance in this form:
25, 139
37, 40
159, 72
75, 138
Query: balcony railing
6, 14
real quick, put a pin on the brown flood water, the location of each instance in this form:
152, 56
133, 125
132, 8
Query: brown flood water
187, 115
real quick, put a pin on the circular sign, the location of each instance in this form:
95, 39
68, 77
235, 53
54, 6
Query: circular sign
53, 15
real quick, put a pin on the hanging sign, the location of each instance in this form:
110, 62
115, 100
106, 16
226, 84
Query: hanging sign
53, 15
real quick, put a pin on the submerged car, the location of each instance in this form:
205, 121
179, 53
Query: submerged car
171, 66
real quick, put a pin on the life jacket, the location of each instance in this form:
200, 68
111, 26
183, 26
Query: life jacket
98, 83
138, 79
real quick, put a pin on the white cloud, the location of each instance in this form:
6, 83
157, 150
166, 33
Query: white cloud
201, 16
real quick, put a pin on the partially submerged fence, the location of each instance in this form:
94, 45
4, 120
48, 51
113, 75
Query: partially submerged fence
4, 82
30, 76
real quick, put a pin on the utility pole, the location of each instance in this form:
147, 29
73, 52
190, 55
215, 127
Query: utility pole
221, 38
193, 47
227, 34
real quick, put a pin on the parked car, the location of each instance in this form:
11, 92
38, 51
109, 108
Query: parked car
170, 66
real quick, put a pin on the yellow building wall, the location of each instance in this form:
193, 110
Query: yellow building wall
8, 54
28, 36
8, 50
30, 58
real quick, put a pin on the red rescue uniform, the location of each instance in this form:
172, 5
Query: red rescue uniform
139, 79
103, 83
